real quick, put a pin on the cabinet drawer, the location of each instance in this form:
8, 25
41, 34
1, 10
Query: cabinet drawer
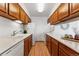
67, 50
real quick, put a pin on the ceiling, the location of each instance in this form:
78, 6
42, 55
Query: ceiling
32, 9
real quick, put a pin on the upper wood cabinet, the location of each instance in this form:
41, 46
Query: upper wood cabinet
63, 11
54, 18
74, 8
4, 11
14, 10
3, 7
22, 15
29, 20
60, 13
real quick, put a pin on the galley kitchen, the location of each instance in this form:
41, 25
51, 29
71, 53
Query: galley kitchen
39, 29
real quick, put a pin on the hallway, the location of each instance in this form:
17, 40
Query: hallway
39, 49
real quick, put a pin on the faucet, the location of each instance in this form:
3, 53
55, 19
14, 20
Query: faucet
14, 33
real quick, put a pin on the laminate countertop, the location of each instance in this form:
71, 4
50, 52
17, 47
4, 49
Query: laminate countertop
71, 44
8, 41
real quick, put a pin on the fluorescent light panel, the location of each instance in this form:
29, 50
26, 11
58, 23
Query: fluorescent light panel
18, 21
40, 7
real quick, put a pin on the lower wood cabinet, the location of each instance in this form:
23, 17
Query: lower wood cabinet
48, 43
54, 47
58, 49
62, 53
64, 50
27, 45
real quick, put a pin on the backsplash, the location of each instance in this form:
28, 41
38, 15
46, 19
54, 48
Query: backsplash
7, 27
59, 31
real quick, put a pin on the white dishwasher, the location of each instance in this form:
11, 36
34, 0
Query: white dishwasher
16, 50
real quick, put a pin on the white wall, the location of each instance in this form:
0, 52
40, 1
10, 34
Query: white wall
38, 27
61, 32
7, 27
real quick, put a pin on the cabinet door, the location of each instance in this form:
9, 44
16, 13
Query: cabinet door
63, 11
26, 19
3, 7
27, 45
30, 42
62, 53
17, 50
67, 50
54, 47
54, 18
14, 10
74, 7
23, 16
29, 20
48, 39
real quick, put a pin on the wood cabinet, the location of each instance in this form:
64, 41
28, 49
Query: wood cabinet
63, 11
29, 20
3, 7
58, 49
62, 53
64, 50
27, 45
24, 17
48, 43
54, 18
74, 8
54, 47
14, 10
4, 11
66, 12
60, 13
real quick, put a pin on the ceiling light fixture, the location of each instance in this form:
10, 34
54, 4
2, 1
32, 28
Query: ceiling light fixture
40, 7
